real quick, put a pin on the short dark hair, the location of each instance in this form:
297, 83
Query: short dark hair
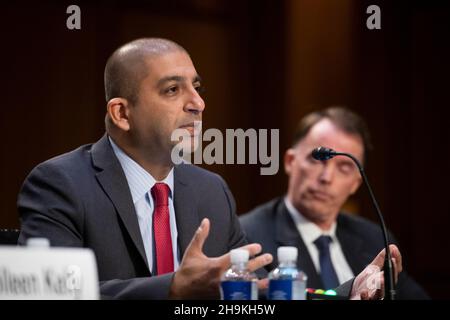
126, 67
343, 118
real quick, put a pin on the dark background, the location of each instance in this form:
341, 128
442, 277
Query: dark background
265, 64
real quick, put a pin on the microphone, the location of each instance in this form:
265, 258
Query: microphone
325, 154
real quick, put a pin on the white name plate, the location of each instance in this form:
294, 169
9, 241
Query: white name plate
48, 273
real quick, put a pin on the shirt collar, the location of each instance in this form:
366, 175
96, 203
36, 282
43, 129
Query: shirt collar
139, 180
308, 229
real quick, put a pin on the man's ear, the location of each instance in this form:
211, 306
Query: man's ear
289, 157
118, 110
356, 184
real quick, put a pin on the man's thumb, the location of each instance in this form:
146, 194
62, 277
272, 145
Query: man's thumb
199, 237
379, 259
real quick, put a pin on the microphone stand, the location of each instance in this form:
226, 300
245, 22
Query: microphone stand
389, 284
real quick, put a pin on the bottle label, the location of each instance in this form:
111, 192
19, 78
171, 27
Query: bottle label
286, 289
280, 290
239, 290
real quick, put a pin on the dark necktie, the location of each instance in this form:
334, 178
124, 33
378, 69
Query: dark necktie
327, 272
161, 228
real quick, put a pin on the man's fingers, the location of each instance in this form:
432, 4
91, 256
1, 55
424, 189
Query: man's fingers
253, 263
263, 284
364, 295
196, 244
395, 254
225, 260
253, 248
378, 295
259, 261
394, 263
379, 292
379, 259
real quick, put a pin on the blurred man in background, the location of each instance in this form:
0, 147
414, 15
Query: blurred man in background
333, 246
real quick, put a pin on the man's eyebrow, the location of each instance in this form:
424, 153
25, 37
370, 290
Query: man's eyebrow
345, 161
197, 78
170, 78
161, 81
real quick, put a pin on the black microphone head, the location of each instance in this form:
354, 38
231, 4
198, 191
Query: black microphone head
323, 154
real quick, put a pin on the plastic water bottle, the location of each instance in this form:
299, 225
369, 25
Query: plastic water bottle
38, 243
286, 282
238, 283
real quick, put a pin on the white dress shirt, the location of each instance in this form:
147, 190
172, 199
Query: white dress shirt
309, 232
140, 183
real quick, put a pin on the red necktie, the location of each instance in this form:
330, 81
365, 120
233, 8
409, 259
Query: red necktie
161, 228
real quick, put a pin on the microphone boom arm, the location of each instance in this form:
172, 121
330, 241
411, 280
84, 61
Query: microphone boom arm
324, 154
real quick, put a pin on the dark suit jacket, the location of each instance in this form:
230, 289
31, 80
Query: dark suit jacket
361, 240
82, 199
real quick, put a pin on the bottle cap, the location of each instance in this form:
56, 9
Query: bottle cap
239, 256
38, 243
287, 254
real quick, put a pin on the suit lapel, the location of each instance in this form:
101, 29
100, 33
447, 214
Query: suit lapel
114, 183
185, 207
287, 234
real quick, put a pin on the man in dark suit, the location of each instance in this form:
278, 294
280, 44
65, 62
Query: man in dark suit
333, 246
124, 198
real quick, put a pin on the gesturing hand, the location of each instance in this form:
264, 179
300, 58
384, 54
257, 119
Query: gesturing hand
369, 284
198, 276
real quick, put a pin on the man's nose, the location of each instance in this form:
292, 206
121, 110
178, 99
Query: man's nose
327, 173
195, 104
